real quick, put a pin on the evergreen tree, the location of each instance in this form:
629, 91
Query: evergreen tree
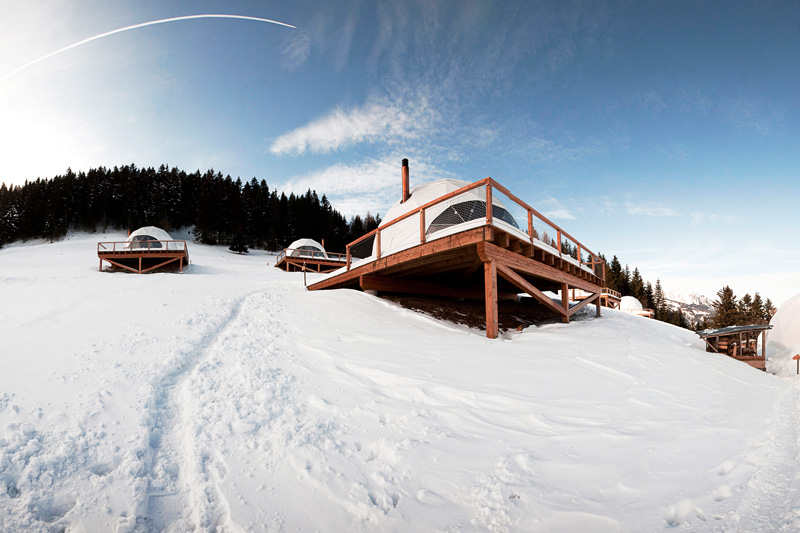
726, 312
637, 286
659, 302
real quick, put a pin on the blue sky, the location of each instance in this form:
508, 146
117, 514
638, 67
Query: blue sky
666, 133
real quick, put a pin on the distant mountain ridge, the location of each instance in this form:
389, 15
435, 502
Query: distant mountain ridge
694, 306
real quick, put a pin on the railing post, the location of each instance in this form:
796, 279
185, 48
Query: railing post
530, 225
580, 259
347, 256
558, 236
422, 226
378, 239
488, 201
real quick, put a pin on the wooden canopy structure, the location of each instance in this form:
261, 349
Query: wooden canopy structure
738, 342
292, 260
487, 257
143, 256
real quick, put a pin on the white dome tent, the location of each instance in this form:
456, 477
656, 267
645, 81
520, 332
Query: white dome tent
631, 305
148, 237
307, 248
783, 341
464, 208
146, 249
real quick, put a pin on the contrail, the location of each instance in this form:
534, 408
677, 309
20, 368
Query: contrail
136, 26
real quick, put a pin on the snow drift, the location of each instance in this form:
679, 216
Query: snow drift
229, 398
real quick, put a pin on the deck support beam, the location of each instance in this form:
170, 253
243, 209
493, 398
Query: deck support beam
490, 285
518, 281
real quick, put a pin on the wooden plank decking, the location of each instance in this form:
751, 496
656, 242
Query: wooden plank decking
478, 263
141, 257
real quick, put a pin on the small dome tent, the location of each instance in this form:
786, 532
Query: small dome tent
783, 341
306, 248
139, 238
630, 304
458, 210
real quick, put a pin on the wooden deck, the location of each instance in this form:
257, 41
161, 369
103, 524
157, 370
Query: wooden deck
143, 256
488, 261
303, 261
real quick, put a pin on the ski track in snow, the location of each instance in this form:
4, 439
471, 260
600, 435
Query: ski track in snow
170, 461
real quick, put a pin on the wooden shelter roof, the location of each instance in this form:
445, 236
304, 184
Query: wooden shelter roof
731, 330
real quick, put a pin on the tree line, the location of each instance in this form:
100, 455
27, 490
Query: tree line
728, 311
221, 209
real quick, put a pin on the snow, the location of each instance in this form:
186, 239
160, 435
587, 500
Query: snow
783, 340
229, 398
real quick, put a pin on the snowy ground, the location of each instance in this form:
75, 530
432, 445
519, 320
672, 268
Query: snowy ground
229, 398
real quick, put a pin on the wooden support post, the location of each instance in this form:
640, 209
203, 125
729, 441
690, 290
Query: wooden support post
181, 267
140, 260
489, 203
599, 304
490, 282
565, 302
101, 266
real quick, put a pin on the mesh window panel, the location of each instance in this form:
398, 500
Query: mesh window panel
310, 251
141, 242
509, 211
363, 249
465, 207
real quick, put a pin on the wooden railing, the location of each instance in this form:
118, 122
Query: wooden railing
311, 254
611, 292
137, 246
490, 185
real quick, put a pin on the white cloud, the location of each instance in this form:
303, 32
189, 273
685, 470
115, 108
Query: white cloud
649, 210
377, 121
370, 185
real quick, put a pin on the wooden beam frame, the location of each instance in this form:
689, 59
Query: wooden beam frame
518, 281
490, 286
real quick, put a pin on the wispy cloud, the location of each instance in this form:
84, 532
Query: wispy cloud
377, 121
296, 50
554, 209
753, 115
650, 210
369, 185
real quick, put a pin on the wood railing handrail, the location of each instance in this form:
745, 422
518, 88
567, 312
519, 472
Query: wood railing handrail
490, 185
139, 244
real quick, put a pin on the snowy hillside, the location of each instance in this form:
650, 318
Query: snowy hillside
229, 398
695, 307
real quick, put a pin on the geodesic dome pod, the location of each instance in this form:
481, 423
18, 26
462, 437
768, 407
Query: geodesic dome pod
784, 338
461, 209
138, 240
307, 248
629, 303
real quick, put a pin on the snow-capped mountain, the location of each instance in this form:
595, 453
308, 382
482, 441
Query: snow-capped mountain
695, 307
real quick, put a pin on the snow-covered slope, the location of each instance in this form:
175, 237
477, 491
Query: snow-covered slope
229, 398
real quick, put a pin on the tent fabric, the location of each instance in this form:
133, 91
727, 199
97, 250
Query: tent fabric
138, 239
629, 303
307, 248
783, 341
463, 208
